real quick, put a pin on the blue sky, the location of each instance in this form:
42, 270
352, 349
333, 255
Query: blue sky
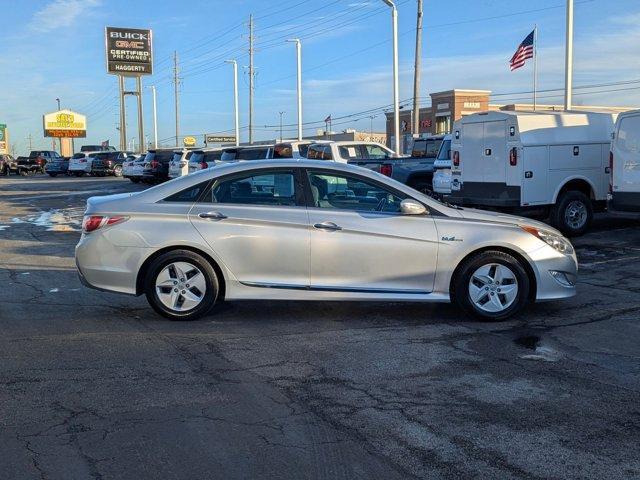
55, 48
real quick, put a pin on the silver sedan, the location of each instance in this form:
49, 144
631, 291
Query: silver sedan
313, 230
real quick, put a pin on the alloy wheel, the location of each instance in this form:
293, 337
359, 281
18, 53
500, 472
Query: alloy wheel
493, 288
575, 215
181, 286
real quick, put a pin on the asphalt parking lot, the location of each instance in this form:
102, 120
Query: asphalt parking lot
95, 385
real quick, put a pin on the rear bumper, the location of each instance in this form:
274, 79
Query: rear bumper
486, 194
625, 201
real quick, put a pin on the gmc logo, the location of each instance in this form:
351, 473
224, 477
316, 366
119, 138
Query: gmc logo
129, 44
129, 35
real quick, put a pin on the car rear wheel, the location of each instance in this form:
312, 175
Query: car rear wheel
491, 286
181, 285
117, 171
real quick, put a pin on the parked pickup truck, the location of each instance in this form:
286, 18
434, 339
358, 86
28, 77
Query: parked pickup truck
415, 171
36, 161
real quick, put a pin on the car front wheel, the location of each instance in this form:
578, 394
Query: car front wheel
491, 286
117, 171
181, 285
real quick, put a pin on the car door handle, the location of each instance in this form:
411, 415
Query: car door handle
212, 215
327, 226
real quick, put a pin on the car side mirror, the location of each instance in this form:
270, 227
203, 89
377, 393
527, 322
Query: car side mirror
412, 207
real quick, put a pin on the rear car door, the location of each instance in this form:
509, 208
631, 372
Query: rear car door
361, 242
257, 223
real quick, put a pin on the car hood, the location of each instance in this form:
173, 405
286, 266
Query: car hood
487, 216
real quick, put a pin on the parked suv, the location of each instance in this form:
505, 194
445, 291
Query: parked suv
156, 167
205, 158
624, 163
179, 164
57, 166
80, 164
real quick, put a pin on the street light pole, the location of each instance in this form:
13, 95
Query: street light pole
155, 116
235, 99
59, 139
299, 68
281, 114
396, 82
568, 60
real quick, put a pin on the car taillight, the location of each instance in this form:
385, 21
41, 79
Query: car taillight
513, 157
91, 223
154, 164
203, 165
386, 169
456, 158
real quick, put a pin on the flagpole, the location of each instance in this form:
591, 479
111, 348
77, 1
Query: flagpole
535, 65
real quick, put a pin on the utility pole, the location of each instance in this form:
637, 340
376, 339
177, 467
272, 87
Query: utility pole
235, 99
59, 139
281, 114
176, 82
299, 85
416, 72
251, 75
568, 60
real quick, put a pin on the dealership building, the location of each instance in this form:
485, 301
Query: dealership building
451, 105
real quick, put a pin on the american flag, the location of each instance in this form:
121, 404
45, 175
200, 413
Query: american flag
524, 51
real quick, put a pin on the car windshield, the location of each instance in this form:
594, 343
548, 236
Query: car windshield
445, 150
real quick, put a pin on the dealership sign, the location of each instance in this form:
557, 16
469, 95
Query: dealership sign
65, 124
3, 138
129, 51
213, 138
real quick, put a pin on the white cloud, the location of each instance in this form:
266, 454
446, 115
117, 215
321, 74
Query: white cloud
60, 13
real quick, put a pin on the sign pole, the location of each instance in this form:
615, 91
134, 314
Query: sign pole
140, 115
535, 65
123, 114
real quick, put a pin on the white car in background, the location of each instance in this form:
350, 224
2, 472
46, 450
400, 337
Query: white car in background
80, 164
179, 164
344, 151
205, 158
132, 168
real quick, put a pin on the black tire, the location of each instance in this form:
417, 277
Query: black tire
211, 280
462, 278
561, 213
53, 174
117, 171
23, 172
4, 172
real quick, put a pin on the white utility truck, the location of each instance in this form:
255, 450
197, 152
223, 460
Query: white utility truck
553, 164
624, 162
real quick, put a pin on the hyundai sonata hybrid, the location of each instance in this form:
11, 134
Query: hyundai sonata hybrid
315, 230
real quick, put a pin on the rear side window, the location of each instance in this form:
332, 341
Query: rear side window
78, 155
283, 150
252, 154
211, 156
188, 195
274, 188
350, 152
629, 134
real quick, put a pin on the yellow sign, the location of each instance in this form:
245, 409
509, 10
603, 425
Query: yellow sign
65, 124
189, 141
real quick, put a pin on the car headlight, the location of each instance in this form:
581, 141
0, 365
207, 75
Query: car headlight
558, 242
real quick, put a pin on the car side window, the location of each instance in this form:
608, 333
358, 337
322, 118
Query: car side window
189, 195
274, 188
346, 192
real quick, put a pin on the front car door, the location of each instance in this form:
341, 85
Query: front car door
361, 242
257, 224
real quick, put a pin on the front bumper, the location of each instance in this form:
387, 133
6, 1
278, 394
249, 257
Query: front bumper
556, 274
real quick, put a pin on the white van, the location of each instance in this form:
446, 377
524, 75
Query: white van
554, 163
624, 162
442, 168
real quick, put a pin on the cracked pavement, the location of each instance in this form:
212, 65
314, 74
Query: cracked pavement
96, 386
